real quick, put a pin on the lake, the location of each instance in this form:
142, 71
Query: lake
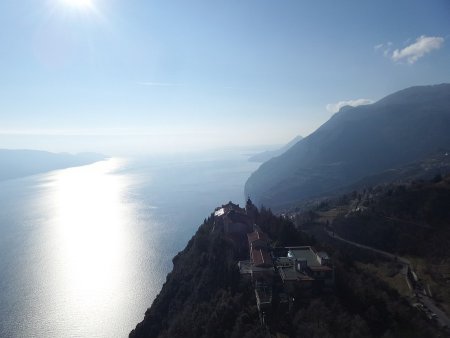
85, 250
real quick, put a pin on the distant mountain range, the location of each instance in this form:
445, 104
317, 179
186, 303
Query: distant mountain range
268, 154
19, 163
357, 142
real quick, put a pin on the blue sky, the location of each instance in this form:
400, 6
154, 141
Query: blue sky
115, 75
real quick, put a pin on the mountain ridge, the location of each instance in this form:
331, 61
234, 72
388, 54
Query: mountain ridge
403, 127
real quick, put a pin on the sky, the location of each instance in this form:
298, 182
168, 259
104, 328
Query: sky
120, 76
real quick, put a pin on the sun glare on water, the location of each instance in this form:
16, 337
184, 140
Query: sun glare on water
90, 218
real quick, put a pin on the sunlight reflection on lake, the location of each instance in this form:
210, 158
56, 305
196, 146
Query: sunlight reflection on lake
88, 234
85, 250
90, 218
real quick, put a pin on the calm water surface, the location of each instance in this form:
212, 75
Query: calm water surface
84, 251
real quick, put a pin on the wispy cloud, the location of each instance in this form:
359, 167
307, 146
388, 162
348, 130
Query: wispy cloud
384, 47
414, 51
335, 107
158, 84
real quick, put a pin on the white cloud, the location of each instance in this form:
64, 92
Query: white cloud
335, 107
413, 52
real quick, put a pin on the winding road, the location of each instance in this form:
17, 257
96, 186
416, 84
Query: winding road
427, 301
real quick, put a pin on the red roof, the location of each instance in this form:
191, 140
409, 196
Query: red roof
261, 258
256, 235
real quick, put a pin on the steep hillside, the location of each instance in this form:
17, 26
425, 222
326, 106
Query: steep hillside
205, 296
411, 219
404, 127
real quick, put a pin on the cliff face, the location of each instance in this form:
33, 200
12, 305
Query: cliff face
203, 296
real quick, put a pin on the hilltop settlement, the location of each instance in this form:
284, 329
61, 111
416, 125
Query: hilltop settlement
249, 273
286, 271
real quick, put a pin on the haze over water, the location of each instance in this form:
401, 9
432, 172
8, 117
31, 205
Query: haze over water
84, 251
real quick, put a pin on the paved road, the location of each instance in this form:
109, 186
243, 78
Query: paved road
425, 300
441, 316
381, 252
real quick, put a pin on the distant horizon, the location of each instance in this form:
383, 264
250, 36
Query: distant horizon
139, 142
251, 149
122, 142
97, 75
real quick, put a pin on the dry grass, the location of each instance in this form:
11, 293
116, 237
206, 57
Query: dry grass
434, 277
390, 273
330, 215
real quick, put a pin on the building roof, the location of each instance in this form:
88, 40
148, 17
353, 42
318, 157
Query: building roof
305, 253
219, 212
261, 257
290, 274
323, 255
230, 206
257, 235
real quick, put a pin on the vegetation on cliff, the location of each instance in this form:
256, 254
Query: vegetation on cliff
205, 296
410, 219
